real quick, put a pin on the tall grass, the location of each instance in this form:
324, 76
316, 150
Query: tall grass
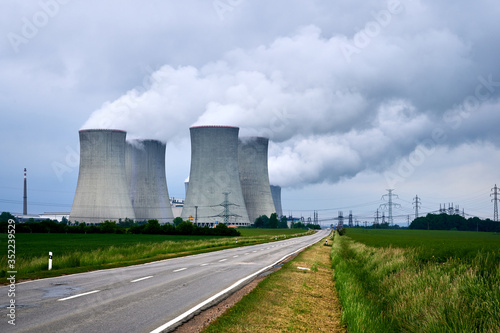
387, 289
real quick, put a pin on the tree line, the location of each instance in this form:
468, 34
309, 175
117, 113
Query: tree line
152, 227
454, 222
273, 222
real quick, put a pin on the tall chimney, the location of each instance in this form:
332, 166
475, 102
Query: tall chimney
25, 196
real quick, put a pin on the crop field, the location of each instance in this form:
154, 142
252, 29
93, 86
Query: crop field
434, 245
418, 280
74, 253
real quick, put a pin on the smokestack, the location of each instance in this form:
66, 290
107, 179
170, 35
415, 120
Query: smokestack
145, 167
254, 177
214, 171
102, 191
25, 196
276, 193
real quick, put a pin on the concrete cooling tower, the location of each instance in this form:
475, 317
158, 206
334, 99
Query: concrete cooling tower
276, 193
102, 191
145, 167
214, 171
254, 177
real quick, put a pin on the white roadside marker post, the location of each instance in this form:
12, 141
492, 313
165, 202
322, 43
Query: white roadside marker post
50, 261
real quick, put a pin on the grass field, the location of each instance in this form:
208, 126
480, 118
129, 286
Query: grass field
83, 252
418, 281
435, 245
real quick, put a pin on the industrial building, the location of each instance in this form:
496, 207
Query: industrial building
102, 191
214, 193
254, 176
145, 169
276, 193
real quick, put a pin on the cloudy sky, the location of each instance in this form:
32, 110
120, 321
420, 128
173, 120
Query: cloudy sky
357, 96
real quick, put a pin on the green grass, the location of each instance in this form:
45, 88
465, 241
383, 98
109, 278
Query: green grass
289, 300
434, 245
74, 253
36, 245
418, 281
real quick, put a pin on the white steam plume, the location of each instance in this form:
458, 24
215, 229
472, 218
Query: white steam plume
327, 118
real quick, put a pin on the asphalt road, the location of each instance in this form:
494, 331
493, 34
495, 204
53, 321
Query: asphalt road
141, 298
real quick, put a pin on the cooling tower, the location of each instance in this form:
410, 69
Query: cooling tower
214, 171
276, 193
254, 177
145, 166
102, 191
186, 185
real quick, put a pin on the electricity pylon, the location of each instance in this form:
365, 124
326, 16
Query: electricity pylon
390, 204
416, 203
495, 202
226, 213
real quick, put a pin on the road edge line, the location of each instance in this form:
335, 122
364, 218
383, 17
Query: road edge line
179, 318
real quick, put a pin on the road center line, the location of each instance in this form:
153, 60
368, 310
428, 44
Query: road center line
222, 260
235, 256
143, 278
203, 264
75, 296
180, 269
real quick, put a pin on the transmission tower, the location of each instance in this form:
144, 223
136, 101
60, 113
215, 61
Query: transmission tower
226, 212
495, 202
377, 216
350, 219
390, 204
341, 219
417, 203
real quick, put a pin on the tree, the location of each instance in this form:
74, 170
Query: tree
152, 227
273, 221
168, 229
283, 224
177, 221
185, 228
6, 216
262, 222
109, 227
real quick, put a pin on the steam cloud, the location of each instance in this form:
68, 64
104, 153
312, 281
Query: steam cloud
328, 117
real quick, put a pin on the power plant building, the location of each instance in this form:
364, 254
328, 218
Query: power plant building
276, 193
254, 176
145, 169
214, 176
102, 191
